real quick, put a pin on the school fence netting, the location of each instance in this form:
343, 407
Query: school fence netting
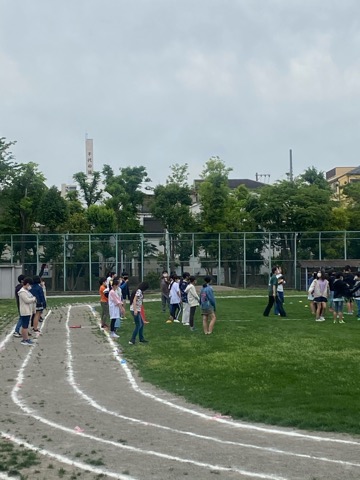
74, 262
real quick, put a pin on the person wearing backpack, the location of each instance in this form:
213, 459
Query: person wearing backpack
208, 306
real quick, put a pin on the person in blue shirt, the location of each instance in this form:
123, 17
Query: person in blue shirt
208, 306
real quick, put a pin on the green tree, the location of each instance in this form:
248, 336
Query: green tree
125, 195
53, 211
6, 161
89, 187
171, 205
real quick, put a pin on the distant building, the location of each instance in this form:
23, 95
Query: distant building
66, 188
232, 184
338, 177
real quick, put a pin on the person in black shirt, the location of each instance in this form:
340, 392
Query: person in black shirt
349, 280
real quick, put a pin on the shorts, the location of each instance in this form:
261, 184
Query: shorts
25, 320
320, 299
207, 311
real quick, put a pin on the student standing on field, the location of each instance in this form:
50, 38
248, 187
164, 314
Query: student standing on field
17, 333
193, 300
208, 306
104, 303
136, 301
341, 291
184, 282
321, 291
115, 305
272, 294
27, 303
164, 288
38, 292
175, 299
280, 291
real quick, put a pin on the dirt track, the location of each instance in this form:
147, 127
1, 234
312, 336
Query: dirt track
75, 399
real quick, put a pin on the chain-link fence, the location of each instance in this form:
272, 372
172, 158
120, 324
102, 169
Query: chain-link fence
74, 262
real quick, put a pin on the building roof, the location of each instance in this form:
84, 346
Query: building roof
337, 263
236, 182
355, 171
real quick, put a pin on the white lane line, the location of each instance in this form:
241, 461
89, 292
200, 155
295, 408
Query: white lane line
22, 405
93, 403
233, 423
90, 401
63, 459
29, 411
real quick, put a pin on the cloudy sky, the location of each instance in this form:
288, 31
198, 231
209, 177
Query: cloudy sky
159, 82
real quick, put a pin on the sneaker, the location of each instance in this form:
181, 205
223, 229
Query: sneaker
131, 343
169, 321
187, 324
28, 343
192, 329
341, 321
18, 334
144, 341
113, 335
320, 319
176, 320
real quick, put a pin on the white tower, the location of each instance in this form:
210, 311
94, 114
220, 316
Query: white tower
89, 156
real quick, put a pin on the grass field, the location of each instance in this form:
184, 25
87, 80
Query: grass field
285, 371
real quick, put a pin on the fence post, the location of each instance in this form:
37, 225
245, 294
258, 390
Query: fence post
219, 259
345, 246
64, 266
90, 265
270, 265
142, 256
295, 259
12, 250
37, 254
117, 253
244, 260
193, 252
319, 245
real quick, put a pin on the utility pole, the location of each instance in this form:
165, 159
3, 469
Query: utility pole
291, 173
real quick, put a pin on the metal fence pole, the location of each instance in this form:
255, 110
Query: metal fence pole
244, 259
193, 252
270, 265
64, 266
345, 246
295, 259
117, 252
142, 256
219, 260
319, 245
37, 254
90, 265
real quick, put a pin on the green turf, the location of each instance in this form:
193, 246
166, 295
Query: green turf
290, 372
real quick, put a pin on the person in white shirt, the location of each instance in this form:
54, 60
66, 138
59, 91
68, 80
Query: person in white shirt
193, 300
175, 299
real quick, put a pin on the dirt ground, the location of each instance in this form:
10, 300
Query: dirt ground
75, 400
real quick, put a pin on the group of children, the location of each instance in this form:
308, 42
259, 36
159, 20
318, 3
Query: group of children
180, 295
334, 290
114, 291
30, 295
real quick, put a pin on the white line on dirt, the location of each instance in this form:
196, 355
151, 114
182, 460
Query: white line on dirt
22, 405
117, 355
63, 459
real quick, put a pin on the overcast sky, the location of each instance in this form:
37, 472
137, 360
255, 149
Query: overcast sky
159, 82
